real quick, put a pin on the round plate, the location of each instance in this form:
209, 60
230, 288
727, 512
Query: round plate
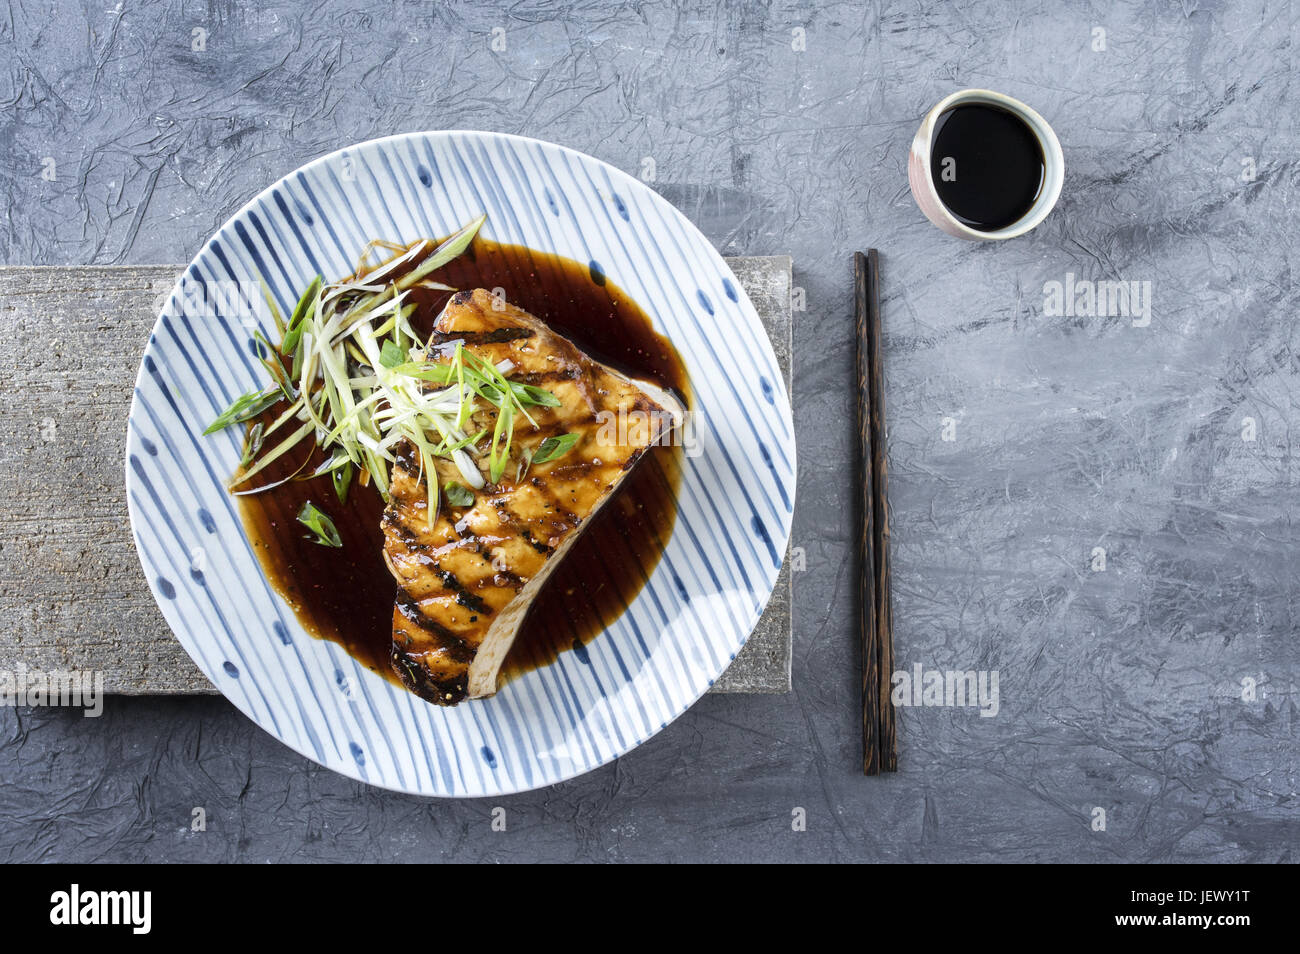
663, 653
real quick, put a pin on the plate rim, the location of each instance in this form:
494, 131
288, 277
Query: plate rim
785, 407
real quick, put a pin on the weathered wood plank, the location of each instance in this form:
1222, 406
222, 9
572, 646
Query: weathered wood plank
71, 592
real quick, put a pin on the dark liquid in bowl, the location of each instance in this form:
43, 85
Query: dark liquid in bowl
987, 166
346, 595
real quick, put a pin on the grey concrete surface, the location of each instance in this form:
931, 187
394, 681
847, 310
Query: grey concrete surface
1101, 511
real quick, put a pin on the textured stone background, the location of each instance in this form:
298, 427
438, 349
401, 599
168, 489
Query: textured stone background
1119, 689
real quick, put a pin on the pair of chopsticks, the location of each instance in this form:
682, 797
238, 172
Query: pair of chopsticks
875, 615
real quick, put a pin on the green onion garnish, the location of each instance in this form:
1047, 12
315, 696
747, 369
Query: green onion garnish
391, 356
361, 384
458, 495
306, 306
319, 523
245, 408
528, 394
343, 480
554, 447
500, 448
252, 444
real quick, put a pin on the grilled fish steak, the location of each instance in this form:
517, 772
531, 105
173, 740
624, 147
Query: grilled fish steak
465, 586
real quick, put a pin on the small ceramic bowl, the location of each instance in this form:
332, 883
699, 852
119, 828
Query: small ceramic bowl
922, 182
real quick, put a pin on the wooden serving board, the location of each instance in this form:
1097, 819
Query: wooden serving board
72, 596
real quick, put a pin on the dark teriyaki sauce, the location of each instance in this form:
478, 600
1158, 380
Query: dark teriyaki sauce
346, 594
987, 166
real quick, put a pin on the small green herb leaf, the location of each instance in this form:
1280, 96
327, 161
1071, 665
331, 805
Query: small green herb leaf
554, 447
458, 495
391, 355
245, 407
528, 394
319, 523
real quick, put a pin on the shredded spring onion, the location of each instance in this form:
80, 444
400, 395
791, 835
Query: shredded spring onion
361, 384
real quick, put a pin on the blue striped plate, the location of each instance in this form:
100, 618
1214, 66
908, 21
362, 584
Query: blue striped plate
662, 654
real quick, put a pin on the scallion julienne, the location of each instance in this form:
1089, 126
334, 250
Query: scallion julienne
244, 408
360, 383
252, 444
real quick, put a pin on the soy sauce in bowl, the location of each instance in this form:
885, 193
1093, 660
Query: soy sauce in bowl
987, 166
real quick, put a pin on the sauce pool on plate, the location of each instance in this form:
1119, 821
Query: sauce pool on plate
346, 594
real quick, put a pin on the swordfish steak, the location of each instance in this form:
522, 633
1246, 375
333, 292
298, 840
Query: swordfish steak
465, 586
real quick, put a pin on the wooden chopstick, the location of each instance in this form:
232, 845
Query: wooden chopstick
868, 631
875, 612
880, 488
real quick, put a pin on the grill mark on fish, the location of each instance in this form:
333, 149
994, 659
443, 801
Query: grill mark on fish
556, 428
455, 647
401, 530
536, 544
495, 336
512, 521
463, 596
404, 457
422, 682
571, 519
546, 377
428, 555
502, 578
